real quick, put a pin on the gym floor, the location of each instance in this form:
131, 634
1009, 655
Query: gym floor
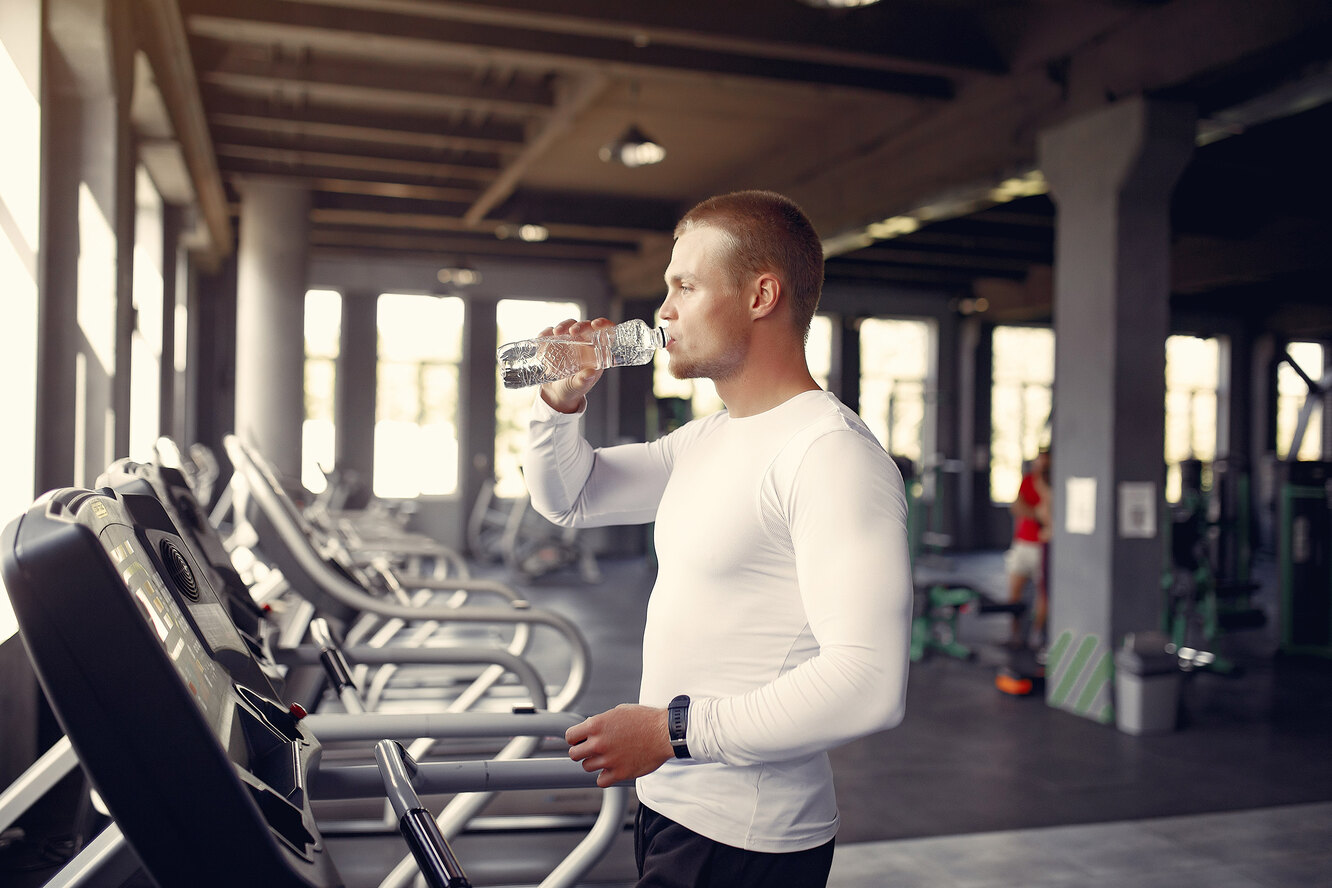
979, 788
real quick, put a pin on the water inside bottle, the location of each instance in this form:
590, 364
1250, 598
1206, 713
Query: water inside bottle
538, 361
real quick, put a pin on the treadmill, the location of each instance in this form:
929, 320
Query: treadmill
208, 776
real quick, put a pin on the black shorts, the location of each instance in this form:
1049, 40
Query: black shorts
671, 856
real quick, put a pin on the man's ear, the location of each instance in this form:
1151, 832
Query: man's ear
765, 296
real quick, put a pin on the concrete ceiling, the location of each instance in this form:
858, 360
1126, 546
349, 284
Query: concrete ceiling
439, 127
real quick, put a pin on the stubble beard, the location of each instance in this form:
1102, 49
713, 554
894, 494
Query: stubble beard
718, 368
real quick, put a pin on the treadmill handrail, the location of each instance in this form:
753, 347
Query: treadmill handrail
341, 726
353, 596
432, 778
278, 508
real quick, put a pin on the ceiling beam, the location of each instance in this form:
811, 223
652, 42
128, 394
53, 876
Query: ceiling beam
347, 239
649, 216
401, 220
582, 94
164, 41
1012, 217
305, 71
411, 39
889, 253
594, 217
367, 125
903, 35
1036, 249
990, 130
1199, 264
351, 93
315, 164
935, 277
394, 189
483, 163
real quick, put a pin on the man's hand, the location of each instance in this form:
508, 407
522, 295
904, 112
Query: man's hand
566, 395
623, 743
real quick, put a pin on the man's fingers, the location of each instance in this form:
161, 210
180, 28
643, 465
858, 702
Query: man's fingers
577, 733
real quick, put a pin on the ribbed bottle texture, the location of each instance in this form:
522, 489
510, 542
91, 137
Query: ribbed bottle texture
549, 358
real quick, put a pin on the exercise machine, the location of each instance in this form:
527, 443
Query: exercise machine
1201, 602
1305, 555
510, 531
339, 591
939, 605
1304, 524
210, 780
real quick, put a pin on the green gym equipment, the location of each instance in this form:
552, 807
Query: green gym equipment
938, 607
1201, 604
1304, 516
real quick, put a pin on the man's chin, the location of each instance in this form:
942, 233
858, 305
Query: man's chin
681, 370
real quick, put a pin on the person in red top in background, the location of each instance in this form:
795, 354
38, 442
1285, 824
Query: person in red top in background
1026, 558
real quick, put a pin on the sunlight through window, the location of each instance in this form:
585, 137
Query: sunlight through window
416, 404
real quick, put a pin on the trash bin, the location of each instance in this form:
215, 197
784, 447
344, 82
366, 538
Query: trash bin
1147, 680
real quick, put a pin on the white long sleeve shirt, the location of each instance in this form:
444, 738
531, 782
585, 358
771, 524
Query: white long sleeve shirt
782, 602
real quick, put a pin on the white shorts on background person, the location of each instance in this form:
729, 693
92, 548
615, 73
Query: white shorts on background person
1024, 558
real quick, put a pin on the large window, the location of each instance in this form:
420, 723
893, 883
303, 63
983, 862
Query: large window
1193, 375
518, 319
146, 338
1292, 391
416, 404
95, 364
20, 173
323, 331
895, 389
1020, 402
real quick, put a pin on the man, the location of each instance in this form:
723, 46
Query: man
779, 623
1026, 558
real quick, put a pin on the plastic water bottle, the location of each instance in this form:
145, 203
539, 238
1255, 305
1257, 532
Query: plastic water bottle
548, 358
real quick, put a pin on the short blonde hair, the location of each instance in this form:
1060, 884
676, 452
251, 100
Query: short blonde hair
767, 232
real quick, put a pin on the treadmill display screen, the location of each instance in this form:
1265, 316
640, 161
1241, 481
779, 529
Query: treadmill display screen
207, 682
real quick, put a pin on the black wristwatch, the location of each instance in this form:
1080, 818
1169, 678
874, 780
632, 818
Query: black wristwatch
677, 719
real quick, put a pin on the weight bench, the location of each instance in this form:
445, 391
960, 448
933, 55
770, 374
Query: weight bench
937, 608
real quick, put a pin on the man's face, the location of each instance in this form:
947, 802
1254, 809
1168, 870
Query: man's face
709, 328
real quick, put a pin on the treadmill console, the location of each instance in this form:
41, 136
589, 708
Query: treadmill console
203, 768
224, 589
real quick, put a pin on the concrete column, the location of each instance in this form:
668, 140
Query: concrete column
271, 266
476, 408
211, 371
354, 409
1111, 173
973, 383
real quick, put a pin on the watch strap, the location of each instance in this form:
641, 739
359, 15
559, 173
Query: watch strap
677, 720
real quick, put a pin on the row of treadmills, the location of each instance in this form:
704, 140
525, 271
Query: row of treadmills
234, 673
